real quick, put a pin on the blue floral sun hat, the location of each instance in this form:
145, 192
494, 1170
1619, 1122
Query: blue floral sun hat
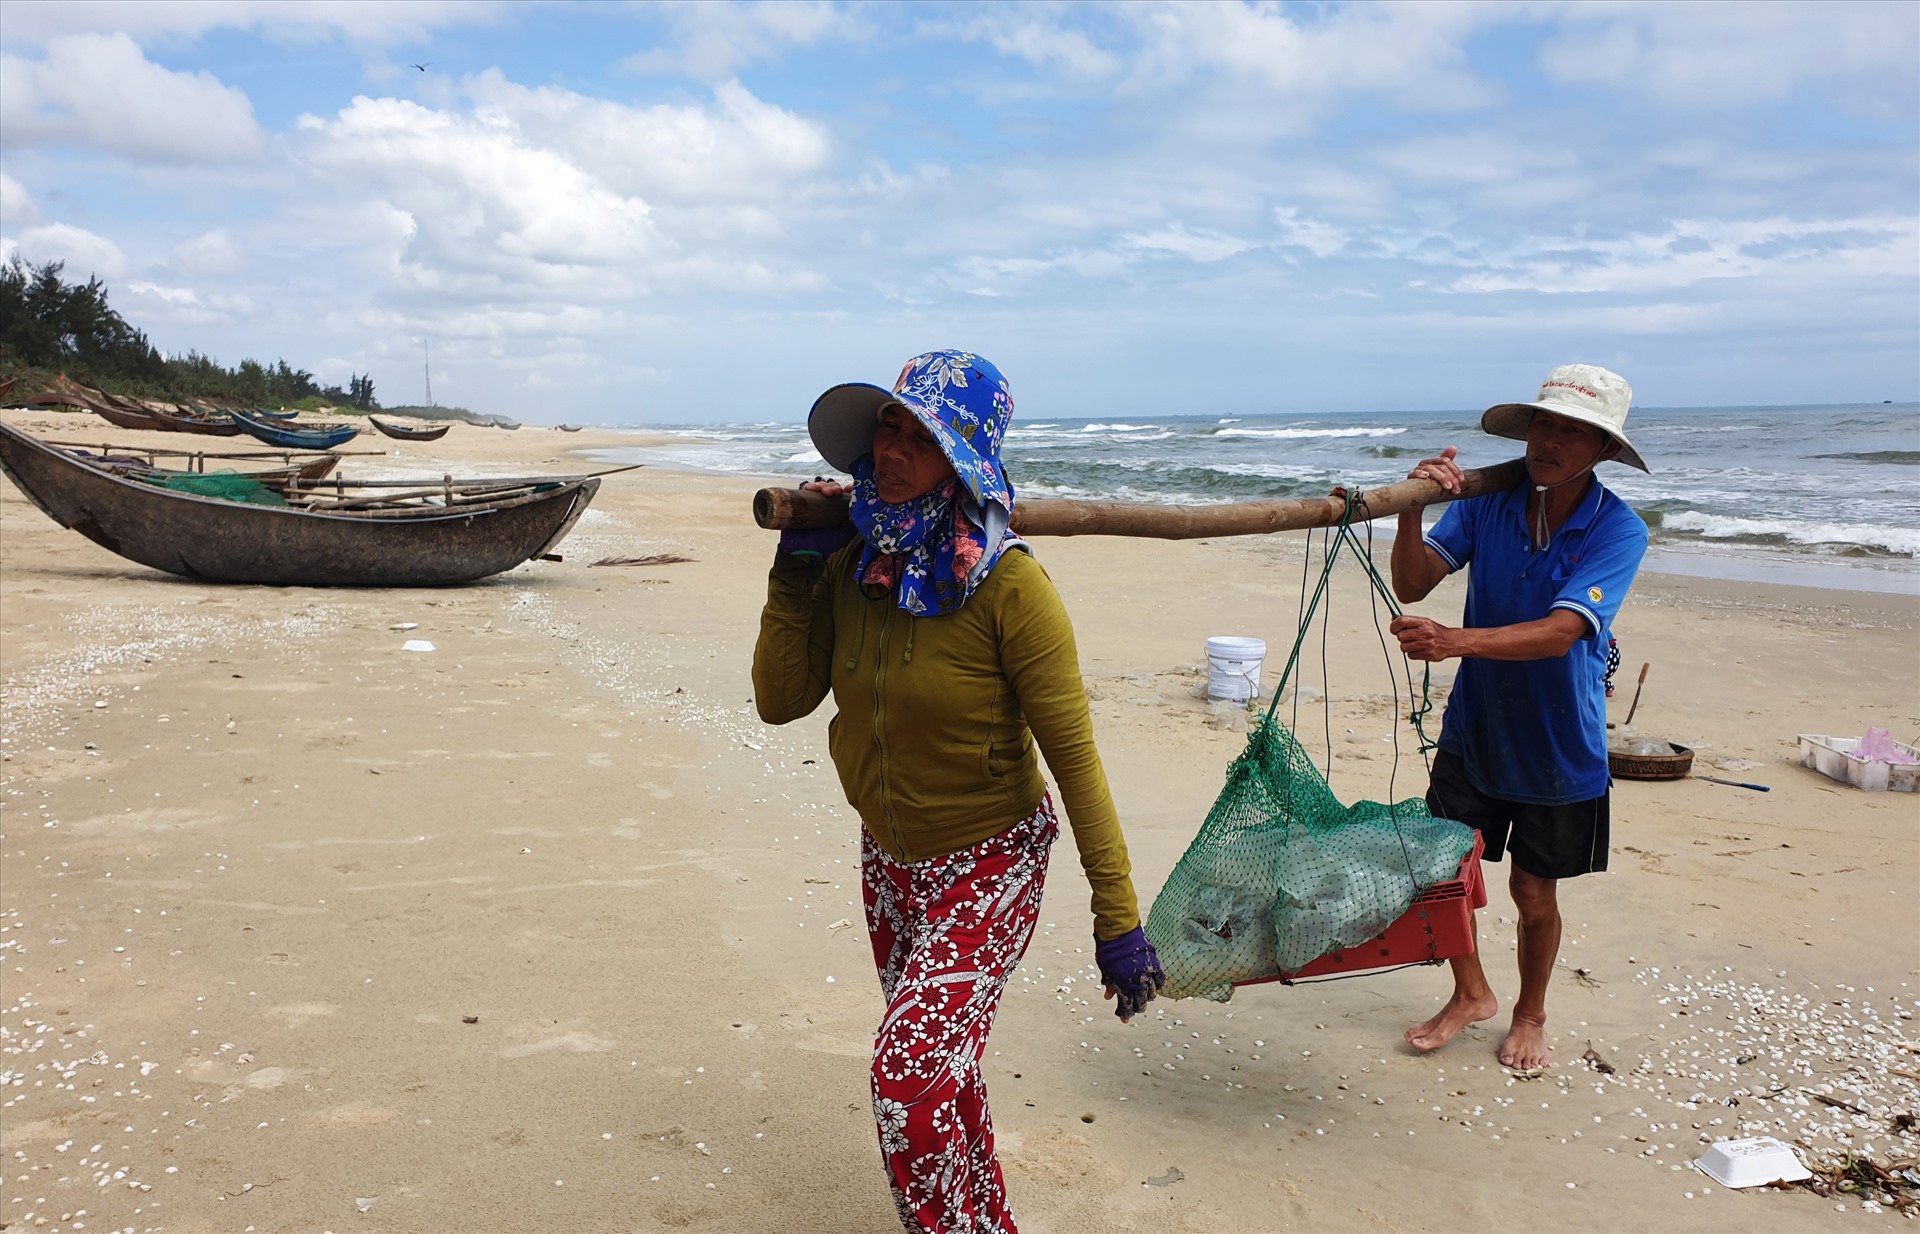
960, 398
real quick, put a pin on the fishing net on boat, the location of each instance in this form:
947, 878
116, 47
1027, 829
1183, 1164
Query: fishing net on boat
221, 485
1282, 872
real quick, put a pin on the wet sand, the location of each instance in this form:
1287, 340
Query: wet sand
545, 930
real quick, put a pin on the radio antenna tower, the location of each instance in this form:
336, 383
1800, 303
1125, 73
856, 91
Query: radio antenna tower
427, 363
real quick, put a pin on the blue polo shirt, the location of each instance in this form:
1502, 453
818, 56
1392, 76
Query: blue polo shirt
1536, 730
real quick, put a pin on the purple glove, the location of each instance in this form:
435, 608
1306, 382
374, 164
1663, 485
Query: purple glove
1130, 970
816, 545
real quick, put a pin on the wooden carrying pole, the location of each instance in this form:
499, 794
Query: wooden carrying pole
778, 509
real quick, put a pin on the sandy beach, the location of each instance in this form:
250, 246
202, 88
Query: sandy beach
545, 930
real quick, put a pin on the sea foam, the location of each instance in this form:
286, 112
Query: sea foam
1901, 540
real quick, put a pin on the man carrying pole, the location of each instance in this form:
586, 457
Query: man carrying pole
1522, 754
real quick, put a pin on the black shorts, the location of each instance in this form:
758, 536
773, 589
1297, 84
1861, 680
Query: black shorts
1546, 841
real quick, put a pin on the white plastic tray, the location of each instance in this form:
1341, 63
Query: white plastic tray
1834, 758
1751, 1162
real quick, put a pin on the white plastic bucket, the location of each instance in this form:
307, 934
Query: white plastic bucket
1233, 667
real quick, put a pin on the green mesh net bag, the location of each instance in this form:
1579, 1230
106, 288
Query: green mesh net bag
1282, 873
221, 485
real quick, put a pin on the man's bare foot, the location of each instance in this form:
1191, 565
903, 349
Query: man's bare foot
1459, 1012
1526, 1048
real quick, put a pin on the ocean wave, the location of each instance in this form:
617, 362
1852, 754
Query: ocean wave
1905, 457
1903, 541
1126, 493
1394, 451
1268, 471
805, 456
1293, 433
1122, 428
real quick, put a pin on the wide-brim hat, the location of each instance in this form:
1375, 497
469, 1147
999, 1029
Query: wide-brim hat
960, 398
1582, 392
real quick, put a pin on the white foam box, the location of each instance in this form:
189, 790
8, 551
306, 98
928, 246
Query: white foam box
1834, 758
1752, 1162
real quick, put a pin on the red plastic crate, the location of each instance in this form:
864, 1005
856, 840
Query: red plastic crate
1439, 926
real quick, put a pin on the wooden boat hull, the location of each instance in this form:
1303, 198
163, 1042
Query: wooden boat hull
233, 542
120, 417
294, 438
401, 432
204, 425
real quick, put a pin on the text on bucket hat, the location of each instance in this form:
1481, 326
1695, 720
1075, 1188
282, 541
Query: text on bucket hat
960, 398
1585, 393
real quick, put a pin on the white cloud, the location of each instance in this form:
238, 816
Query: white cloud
989, 276
1693, 252
1729, 54
101, 91
1320, 239
1201, 246
549, 324
476, 194
532, 198
1030, 33
183, 306
41, 21
1472, 158
718, 37
738, 147
212, 252
87, 255
1413, 53
16, 204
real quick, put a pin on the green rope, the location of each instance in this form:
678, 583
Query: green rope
1343, 538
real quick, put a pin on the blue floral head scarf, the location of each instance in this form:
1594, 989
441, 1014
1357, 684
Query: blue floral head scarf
938, 548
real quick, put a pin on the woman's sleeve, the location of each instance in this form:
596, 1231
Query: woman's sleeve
793, 657
1038, 655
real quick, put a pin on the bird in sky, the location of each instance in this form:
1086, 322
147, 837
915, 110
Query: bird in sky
421, 67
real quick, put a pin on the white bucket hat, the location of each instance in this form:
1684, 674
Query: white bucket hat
1582, 392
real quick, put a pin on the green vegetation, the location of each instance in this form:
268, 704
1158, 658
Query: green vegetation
49, 326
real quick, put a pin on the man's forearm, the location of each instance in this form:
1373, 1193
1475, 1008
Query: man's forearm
1550, 637
1415, 567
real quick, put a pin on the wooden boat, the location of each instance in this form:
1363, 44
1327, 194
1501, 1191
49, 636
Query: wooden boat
276, 415
568, 428
126, 417
401, 432
118, 412
454, 533
309, 437
189, 422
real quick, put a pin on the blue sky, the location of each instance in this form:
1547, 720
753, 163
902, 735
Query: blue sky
669, 213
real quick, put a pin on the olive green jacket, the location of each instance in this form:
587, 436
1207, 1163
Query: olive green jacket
937, 720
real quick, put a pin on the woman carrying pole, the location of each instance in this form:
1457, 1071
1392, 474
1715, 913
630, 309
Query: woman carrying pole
948, 656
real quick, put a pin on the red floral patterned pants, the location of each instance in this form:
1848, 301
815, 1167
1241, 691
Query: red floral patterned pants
947, 933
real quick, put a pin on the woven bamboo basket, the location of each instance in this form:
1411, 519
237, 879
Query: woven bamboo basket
1673, 766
